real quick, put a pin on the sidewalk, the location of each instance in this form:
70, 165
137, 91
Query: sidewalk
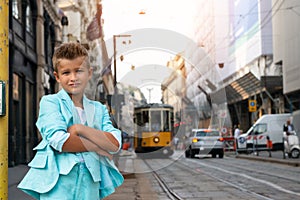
277, 157
15, 175
135, 186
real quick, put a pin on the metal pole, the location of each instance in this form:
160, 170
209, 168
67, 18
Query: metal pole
116, 108
115, 59
4, 75
115, 62
149, 89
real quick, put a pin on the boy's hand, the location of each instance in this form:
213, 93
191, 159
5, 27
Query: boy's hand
89, 145
75, 129
104, 153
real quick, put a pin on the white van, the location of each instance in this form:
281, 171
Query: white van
296, 121
267, 125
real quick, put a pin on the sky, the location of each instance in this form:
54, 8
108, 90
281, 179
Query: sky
121, 16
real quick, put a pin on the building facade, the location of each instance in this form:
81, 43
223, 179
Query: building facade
237, 37
22, 68
286, 45
35, 29
249, 72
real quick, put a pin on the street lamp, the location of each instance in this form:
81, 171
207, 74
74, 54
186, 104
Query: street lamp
115, 59
118, 97
149, 89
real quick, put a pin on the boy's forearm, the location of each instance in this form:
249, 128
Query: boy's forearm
104, 140
80, 144
76, 143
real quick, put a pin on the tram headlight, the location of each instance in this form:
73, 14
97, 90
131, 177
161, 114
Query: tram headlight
156, 139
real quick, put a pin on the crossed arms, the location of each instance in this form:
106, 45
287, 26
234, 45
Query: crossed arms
83, 138
53, 116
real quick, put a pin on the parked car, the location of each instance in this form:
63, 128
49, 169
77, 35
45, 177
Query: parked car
203, 142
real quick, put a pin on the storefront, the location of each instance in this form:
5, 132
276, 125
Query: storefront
22, 79
266, 91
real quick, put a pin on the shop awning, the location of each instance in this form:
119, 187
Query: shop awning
243, 88
247, 86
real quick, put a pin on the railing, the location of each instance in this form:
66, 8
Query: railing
229, 144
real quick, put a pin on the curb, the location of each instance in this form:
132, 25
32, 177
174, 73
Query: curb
271, 160
127, 175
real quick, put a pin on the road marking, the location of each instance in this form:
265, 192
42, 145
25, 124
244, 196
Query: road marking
251, 178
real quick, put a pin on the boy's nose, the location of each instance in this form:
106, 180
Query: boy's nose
73, 76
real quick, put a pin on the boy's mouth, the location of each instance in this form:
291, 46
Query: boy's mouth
74, 84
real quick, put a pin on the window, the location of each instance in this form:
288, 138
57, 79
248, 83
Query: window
213, 133
259, 129
29, 24
207, 133
17, 9
166, 118
155, 117
201, 134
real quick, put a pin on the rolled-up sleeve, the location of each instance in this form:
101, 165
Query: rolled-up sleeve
51, 124
58, 139
108, 127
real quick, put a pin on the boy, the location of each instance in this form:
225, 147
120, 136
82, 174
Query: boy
74, 159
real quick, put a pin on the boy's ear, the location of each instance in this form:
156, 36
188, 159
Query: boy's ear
56, 76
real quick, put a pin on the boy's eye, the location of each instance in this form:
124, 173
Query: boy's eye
80, 70
65, 73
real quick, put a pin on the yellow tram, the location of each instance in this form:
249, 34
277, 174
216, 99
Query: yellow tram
153, 130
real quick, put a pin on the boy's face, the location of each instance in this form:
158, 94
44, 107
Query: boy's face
73, 75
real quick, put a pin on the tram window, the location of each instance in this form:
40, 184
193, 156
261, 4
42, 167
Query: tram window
166, 121
172, 119
155, 120
145, 117
139, 121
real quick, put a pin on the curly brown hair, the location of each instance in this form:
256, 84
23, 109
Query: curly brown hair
69, 51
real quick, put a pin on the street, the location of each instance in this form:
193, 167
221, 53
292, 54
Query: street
232, 177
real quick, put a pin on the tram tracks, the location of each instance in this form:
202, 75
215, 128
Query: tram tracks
170, 193
282, 185
241, 179
242, 189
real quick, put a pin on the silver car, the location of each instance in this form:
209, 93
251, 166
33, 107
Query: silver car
204, 141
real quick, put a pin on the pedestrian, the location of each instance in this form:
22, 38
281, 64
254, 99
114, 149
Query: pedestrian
288, 127
269, 145
237, 131
74, 158
176, 141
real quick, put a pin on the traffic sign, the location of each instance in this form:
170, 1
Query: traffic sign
252, 105
224, 130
